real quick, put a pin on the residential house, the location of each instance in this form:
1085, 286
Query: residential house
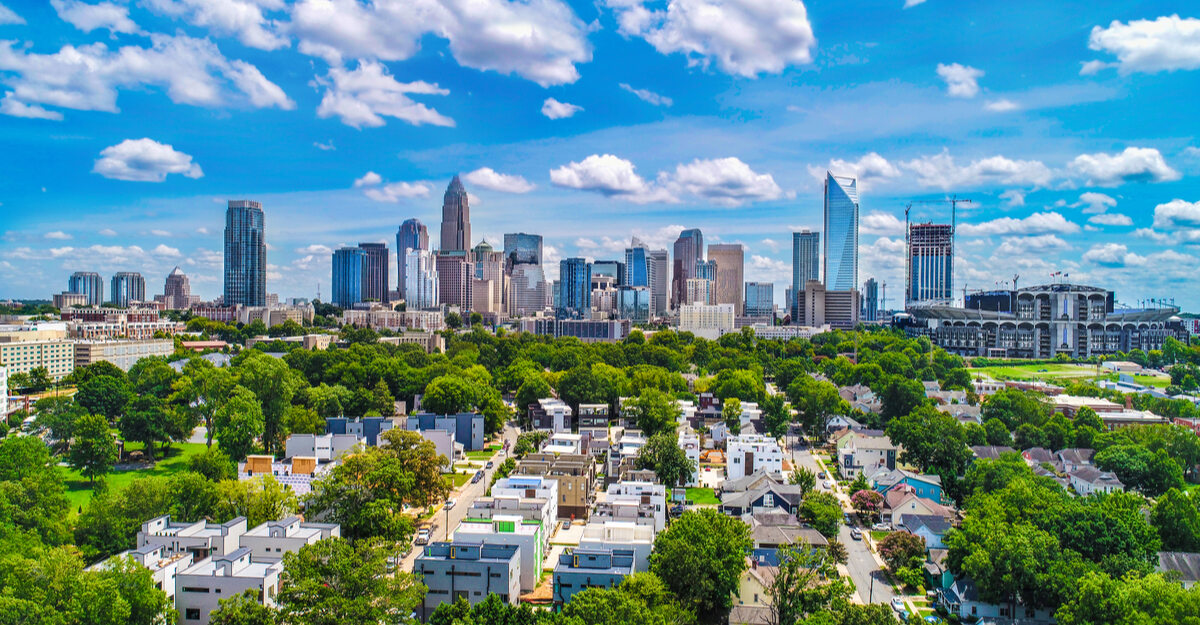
563, 443
867, 453
323, 447
751, 615
509, 529
989, 452
774, 529
522, 488
365, 428
551, 414
689, 441
576, 477
902, 499
468, 428
201, 587
637, 501
962, 599
747, 453
201, 539
937, 573
164, 566
296, 474
1075, 458
1089, 480
620, 535
927, 486
472, 571
754, 480
768, 495
931, 527
1185, 565
529, 509
269, 541
579, 569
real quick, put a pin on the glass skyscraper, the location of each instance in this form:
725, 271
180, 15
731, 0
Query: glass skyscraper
87, 283
375, 272
614, 269
245, 254
574, 288
806, 262
930, 263
522, 249
412, 235
637, 265
348, 269
128, 286
456, 219
706, 269
421, 279
760, 299
841, 233
689, 249
660, 271
870, 300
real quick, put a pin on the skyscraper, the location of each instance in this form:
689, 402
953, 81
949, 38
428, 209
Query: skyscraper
806, 262
177, 291
574, 289
706, 269
522, 249
245, 254
660, 268
637, 264
349, 266
614, 269
490, 290
870, 300
841, 233
87, 283
760, 299
127, 286
528, 291
455, 273
689, 249
421, 279
456, 218
412, 235
730, 259
375, 272
930, 263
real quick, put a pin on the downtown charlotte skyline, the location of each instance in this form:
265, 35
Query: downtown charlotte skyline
1070, 128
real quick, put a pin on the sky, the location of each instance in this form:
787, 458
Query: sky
1070, 126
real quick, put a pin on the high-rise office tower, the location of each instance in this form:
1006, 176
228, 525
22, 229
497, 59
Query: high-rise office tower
806, 263
522, 249
412, 235
841, 233
614, 269
760, 299
420, 279
87, 283
706, 269
127, 286
528, 291
689, 249
490, 291
637, 264
349, 269
574, 289
870, 300
635, 303
698, 291
456, 219
245, 254
455, 272
930, 263
730, 259
375, 272
177, 291
660, 269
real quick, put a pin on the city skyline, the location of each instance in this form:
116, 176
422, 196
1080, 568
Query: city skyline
1066, 175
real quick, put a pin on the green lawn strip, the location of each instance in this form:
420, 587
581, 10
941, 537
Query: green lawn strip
176, 460
877, 535
458, 479
483, 454
702, 496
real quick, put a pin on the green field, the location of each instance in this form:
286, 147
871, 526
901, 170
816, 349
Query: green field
79, 490
1061, 373
702, 496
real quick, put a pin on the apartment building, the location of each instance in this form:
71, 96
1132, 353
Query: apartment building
507, 529
689, 441
576, 477
201, 587
164, 567
623, 536
201, 539
296, 473
269, 541
528, 508
579, 569
527, 488
551, 414
467, 427
471, 571
748, 453
123, 354
638, 501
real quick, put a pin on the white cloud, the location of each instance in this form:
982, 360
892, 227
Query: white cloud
1091, 68
908, 4
315, 248
7, 16
1131, 165
58, 235
962, 81
940, 170
368, 179
743, 37
1151, 234
160, 233
16, 108
1168, 43
1014, 197
165, 251
765, 269
191, 71
870, 167
324, 147
144, 160
241, 18
771, 244
559, 110
1112, 255
646, 95
1111, 219
1176, 214
201, 230
726, 181
1038, 244
108, 232
1095, 203
361, 96
89, 17
1191, 151
1037, 223
540, 40
489, 178
879, 222
1003, 105
610, 175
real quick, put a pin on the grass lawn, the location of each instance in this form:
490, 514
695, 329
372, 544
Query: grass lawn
483, 454
877, 535
458, 479
702, 496
79, 490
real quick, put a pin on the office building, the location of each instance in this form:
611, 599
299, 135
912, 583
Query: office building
455, 273
490, 288
348, 269
420, 279
707, 321
123, 354
375, 283
467, 570
689, 250
579, 569
245, 254
456, 219
635, 303
177, 291
574, 290
614, 269
817, 307
637, 265
841, 233
586, 330
522, 249
806, 262
870, 300
660, 269
730, 259
66, 299
527, 290
127, 286
706, 270
89, 284
699, 291
412, 235
3, 391
789, 300
930, 263
760, 300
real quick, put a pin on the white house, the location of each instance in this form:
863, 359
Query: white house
529, 487
747, 453
201, 587
564, 443
689, 441
269, 541
630, 500
201, 539
621, 535
1089, 480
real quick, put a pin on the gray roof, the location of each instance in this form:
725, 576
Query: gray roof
990, 452
1039, 454
1186, 564
745, 499
750, 481
1075, 455
750, 615
1092, 475
787, 535
936, 524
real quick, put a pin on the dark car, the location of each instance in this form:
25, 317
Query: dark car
478, 476
821, 475
677, 509
490, 464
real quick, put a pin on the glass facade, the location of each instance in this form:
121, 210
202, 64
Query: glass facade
456, 218
348, 267
637, 266
128, 286
574, 289
522, 249
689, 250
412, 235
635, 303
760, 299
245, 254
806, 262
841, 233
706, 269
88, 283
614, 269
375, 272
930, 262
420, 279
870, 300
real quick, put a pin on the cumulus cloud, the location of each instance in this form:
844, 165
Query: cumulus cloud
941, 170
144, 160
1003, 105
360, 97
742, 37
160, 232
1177, 214
1110, 219
726, 181
540, 40
108, 232
1014, 197
766, 269
89, 17
770, 244
244, 19
1168, 43
58, 235
1037, 223
1112, 255
559, 110
1095, 203
87, 78
646, 95
908, 4
489, 178
610, 175
879, 222
869, 168
391, 192
368, 179
16, 108
165, 251
1131, 165
8, 16
324, 147
1037, 244
962, 81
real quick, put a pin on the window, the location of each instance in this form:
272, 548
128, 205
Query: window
195, 589
768, 502
191, 614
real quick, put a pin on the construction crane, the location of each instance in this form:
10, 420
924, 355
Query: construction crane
953, 201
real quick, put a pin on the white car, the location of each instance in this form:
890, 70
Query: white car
898, 604
827, 484
450, 504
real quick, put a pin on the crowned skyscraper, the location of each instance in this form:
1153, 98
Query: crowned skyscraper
245, 254
841, 233
456, 219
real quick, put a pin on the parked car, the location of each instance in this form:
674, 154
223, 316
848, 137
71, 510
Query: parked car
566, 525
897, 604
827, 485
856, 534
677, 509
821, 475
450, 504
478, 476
849, 519
881, 527
490, 464
423, 536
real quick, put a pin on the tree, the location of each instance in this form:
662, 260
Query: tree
105, 395
243, 609
653, 411
152, 376
31, 490
1152, 473
663, 455
201, 390
641, 598
1098, 599
932, 440
1177, 518
533, 388
701, 557
448, 394
900, 397
94, 452
476, 318
805, 583
822, 511
274, 384
239, 422
900, 549
213, 464
195, 497
997, 433
59, 415
334, 582
382, 400
815, 402
776, 416
1086, 416
259, 499
805, 479
135, 587
39, 379
454, 320
731, 413
147, 421
867, 502
1015, 407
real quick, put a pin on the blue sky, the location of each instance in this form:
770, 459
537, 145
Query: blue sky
1071, 126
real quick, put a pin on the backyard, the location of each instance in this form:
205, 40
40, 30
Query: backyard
175, 460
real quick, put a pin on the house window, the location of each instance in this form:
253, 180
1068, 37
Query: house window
191, 614
768, 502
